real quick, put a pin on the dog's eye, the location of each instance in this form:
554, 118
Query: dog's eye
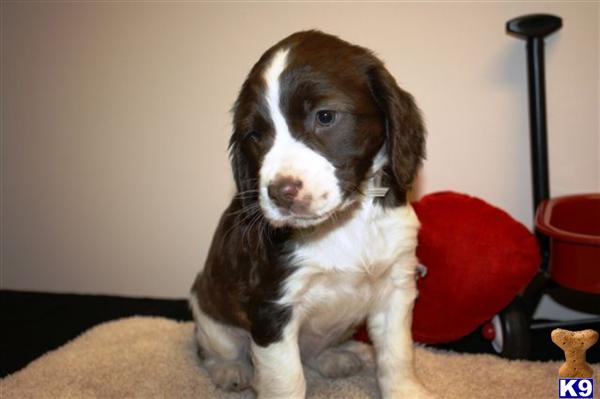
253, 135
326, 117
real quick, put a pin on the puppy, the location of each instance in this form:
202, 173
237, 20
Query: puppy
319, 236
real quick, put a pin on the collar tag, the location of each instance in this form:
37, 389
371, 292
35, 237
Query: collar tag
377, 191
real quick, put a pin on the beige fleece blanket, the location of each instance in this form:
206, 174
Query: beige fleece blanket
143, 357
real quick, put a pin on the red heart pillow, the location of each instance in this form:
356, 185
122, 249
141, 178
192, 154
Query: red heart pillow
478, 259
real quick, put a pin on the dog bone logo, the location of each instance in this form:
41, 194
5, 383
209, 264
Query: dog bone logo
575, 344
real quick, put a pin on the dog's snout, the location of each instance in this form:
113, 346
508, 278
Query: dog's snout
284, 191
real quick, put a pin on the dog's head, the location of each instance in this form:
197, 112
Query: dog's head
314, 119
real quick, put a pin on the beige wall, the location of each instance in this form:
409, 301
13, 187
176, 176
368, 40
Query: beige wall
115, 121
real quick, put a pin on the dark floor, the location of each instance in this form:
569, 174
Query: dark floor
34, 323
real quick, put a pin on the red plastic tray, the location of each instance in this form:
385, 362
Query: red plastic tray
573, 225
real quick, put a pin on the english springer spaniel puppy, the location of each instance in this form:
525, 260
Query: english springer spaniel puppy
320, 235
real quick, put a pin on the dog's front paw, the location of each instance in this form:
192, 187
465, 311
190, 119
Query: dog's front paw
230, 375
337, 363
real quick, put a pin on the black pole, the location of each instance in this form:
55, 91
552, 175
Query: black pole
537, 120
534, 28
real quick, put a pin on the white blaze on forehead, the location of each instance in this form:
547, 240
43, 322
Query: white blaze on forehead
290, 157
272, 73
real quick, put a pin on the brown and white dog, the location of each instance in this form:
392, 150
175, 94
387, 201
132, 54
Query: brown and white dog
311, 245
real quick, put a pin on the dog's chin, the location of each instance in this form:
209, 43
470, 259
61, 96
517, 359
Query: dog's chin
278, 218
301, 222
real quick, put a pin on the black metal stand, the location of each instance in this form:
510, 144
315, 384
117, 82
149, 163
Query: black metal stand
534, 28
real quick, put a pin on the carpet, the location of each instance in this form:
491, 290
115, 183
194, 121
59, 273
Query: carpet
148, 357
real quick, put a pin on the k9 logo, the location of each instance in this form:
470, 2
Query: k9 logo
575, 388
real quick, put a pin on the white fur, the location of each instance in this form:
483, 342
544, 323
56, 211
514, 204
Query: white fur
278, 367
363, 265
289, 157
344, 266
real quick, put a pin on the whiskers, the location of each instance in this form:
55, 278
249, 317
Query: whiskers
250, 220
247, 194
260, 227
242, 215
360, 191
249, 208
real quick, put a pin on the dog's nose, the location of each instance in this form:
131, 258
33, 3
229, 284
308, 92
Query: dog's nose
284, 191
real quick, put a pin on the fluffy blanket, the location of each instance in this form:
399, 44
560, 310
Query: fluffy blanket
144, 357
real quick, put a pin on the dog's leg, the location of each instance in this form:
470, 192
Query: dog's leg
278, 368
224, 351
389, 324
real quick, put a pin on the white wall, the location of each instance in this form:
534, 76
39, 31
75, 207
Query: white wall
115, 121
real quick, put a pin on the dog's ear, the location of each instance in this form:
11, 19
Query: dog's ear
405, 131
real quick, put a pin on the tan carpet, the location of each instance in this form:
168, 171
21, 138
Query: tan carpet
143, 357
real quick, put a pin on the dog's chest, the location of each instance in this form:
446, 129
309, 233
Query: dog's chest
367, 242
339, 271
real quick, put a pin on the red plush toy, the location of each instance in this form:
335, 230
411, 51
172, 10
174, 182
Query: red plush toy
478, 259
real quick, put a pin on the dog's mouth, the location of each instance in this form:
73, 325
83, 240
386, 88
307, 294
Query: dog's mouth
283, 217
